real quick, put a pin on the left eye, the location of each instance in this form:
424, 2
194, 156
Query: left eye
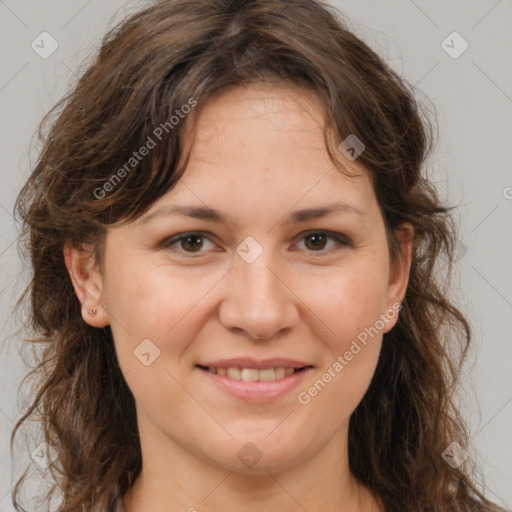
316, 241
187, 241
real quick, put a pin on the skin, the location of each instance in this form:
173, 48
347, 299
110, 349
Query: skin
258, 155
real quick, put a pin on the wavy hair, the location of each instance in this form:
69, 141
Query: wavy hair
149, 67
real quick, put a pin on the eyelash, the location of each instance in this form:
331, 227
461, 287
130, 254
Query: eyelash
340, 239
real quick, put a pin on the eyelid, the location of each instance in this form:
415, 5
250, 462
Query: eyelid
170, 241
342, 240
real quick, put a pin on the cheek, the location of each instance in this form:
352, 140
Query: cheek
151, 299
349, 305
155, 302
348, 300
151, 307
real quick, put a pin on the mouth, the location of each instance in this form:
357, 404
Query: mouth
263, 384
254, 374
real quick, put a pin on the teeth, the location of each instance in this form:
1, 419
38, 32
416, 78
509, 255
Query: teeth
252, 374
279, 373
269, 374
234, 373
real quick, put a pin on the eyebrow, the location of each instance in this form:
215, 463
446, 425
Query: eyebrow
213, 215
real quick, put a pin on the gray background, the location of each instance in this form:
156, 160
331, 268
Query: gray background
471, 167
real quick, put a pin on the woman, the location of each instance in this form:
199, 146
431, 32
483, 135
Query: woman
236, 274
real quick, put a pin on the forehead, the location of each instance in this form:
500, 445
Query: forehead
261, 149
263, 127
242, 111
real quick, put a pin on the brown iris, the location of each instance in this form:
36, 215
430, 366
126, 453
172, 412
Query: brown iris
318, 241
195, 242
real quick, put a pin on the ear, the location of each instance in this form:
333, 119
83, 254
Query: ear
88, 283
399, 271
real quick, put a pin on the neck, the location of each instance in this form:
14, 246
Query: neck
173, 479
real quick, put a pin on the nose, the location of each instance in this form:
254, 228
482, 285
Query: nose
257, 300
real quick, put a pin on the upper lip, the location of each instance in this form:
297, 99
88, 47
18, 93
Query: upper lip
248, 362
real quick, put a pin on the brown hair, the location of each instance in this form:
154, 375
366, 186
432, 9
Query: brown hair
148, 67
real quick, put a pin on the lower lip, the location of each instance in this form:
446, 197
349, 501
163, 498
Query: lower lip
258, 391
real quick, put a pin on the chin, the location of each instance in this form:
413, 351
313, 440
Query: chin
257, 455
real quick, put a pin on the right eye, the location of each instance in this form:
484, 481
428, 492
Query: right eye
189, 243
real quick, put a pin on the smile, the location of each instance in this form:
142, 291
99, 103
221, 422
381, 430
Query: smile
253, 374
255, 385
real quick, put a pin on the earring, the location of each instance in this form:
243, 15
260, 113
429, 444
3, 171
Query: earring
91, 311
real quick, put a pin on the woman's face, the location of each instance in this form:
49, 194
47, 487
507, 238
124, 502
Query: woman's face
265, 283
